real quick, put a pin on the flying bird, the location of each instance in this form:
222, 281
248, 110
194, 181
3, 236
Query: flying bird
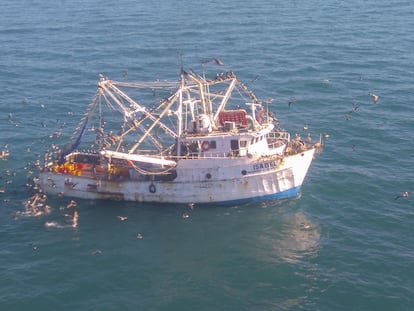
375, 98
291, 101
355, 107
217, 61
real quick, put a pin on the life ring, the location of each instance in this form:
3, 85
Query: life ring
152, 188
205, 145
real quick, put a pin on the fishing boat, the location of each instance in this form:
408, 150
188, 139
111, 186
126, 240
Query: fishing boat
195, 140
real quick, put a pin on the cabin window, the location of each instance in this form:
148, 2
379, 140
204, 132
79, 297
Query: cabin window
213, 144
234, 144
243, 143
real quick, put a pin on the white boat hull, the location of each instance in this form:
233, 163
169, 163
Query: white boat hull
198, 181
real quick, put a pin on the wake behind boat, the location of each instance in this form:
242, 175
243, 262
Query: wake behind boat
196, 140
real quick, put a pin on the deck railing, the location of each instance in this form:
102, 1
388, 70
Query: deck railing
276, 139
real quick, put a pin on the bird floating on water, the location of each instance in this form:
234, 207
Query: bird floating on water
405, 194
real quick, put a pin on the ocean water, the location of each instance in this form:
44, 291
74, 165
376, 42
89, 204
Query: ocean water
346, 243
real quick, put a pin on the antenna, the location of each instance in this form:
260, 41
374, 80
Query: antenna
180, 55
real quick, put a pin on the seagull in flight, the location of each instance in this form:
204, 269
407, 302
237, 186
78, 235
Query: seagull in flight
215, 60
218, 61
291, 101
375, 98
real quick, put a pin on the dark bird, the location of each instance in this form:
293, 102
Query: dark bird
291, 101
405, 194
217, 61
255, 79
355, 107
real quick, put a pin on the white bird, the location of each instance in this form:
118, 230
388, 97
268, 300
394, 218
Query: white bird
375, 97
403, 195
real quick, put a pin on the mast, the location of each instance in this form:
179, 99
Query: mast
179, 112
225, 98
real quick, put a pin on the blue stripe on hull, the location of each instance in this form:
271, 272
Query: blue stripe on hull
290, 193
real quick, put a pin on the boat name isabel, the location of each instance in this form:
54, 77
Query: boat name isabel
264, 165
